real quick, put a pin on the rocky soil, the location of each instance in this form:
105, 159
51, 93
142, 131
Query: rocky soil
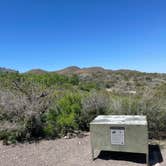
68, 152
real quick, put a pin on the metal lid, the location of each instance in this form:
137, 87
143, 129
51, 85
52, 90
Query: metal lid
120, 119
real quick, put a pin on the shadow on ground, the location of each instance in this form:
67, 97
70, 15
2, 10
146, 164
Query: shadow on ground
155, 156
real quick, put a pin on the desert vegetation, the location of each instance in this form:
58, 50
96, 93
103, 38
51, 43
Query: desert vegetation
50, 105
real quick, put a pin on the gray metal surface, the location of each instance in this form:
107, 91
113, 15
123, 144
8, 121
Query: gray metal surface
120, 119
119, 133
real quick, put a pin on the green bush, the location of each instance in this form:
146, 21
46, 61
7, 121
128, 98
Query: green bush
50, 127
63, 117
9, 137
11, 132
88, 86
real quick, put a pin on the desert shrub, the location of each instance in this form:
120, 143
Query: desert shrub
47, 79
23, 108
152, 104
88, 86
69, 108
96, 103
10, 132
50, 127
51, 105
8, 136
124, 105
63, 117
74, 80
50, 79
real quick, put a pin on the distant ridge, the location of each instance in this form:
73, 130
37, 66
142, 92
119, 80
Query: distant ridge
121, 81
77, 70
86, 70
7, 70
36, 71
69, 70
72, 70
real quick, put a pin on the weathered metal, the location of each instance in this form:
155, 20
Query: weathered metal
122, 133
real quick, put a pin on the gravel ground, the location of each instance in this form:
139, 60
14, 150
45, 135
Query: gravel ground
65, 152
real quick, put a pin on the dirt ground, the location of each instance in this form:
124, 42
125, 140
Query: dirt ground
68, 152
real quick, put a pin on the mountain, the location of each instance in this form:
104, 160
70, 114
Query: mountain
117, 80
121, 81
36, 71
3, 69
76, 70
69, 70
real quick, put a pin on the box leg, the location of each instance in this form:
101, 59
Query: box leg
147, 159
92, 151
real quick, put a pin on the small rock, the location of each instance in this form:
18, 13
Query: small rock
80, 135
65, 137
157, 164
68, 136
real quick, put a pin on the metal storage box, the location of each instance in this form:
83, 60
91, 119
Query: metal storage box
119, 133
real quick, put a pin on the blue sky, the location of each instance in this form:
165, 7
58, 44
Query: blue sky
53, 34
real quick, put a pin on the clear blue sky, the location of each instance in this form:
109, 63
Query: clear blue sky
53, 34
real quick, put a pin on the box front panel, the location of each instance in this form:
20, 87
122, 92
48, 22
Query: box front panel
126, 138
99, 136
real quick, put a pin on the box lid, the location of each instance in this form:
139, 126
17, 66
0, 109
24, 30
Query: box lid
120, 119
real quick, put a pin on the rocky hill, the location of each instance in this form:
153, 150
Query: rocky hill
3, 69
79, 71
36, 71
126, 81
